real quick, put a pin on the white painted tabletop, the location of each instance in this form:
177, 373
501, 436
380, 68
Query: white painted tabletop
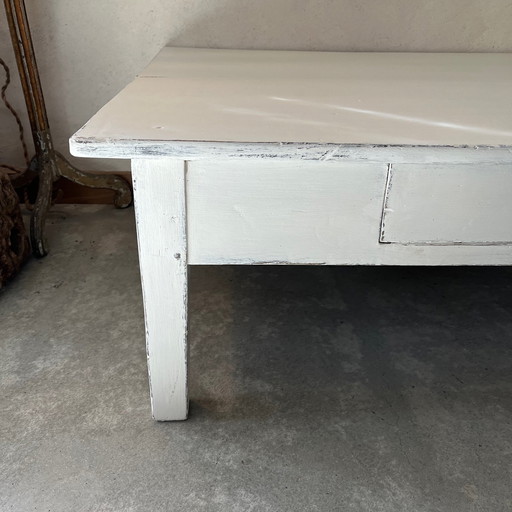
247, 96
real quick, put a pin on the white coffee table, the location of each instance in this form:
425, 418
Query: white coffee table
268, 157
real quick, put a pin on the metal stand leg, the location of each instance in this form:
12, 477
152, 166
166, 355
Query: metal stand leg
50, 164
42, 205
123, 196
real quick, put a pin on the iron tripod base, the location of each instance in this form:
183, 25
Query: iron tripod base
51, 167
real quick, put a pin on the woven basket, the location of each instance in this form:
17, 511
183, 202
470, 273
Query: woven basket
14, 244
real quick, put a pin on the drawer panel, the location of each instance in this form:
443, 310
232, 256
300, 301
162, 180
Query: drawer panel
448, 204
241, 211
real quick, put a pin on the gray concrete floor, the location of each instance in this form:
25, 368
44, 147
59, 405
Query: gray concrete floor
329, 389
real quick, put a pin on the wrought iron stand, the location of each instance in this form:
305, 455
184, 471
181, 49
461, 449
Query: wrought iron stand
48, 163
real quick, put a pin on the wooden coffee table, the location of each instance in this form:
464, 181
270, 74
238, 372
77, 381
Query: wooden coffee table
298, 158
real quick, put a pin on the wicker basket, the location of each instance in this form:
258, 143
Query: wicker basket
14, 244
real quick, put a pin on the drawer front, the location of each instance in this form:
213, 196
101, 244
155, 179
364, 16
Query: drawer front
448, 204
283, 212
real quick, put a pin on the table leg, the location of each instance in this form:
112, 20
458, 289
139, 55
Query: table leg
160, 209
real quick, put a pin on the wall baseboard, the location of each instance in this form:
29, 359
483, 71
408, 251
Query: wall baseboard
71, 193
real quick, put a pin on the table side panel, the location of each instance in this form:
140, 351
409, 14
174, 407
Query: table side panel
276, 212
268, 212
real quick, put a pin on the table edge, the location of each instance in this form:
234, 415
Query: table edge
197, 150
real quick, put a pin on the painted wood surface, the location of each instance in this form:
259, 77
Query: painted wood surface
189, 150
448, 204
319, 213
245, 96
282, 212
159, 192
305, 158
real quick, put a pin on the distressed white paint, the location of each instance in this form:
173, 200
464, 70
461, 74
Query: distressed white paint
318, 97
447, 204
278, 212
75, 43
284, 212
159, 193
284, 158
290, 151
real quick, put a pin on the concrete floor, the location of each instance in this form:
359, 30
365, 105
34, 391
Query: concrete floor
312, 388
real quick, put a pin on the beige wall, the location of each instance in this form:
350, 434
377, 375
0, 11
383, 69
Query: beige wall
87, 51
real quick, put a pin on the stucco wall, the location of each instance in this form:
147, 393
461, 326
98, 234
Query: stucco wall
88, 51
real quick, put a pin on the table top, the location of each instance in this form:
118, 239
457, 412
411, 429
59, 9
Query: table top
252, 96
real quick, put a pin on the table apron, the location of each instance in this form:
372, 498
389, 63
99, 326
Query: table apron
347, 213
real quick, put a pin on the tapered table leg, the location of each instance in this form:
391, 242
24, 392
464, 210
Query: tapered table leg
159, 189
